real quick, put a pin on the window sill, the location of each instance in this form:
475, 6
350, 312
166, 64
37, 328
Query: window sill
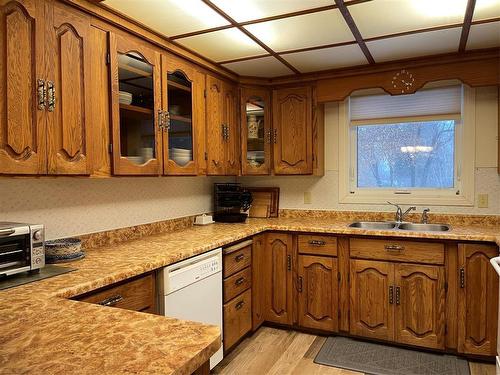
414, 199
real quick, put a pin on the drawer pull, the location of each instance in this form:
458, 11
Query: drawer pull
462, 278
111, 301
398, 295
239, 281
239, 258
317, 242
391, 295
239, 305
289, 262
394, 247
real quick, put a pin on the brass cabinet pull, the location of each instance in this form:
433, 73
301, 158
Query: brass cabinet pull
239, 305
239, 281
317, 243
300, 284
275, 136
394, 247
289, 262
166, 120
42, 94
391, 295
462, 277
51, 96
269, 136
239, 258
398, 295
227, 133
160, 119
111, 301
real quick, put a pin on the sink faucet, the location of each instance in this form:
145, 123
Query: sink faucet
400, 215
425, 216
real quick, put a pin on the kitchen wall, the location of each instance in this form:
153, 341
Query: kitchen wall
325, 190
74, 206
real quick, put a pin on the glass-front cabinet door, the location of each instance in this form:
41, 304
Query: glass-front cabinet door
181, 88
136, 114
256, 135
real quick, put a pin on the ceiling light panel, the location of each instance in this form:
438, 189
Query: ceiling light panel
485, 9
385, 17
485, 35
309, 30
169, 17
223, 45
327, 58
414, 45
246, 10
261, 67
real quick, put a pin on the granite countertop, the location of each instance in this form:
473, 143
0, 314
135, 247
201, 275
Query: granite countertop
44, 332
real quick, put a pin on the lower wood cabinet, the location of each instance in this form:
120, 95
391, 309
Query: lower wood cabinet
318, 292
237, 318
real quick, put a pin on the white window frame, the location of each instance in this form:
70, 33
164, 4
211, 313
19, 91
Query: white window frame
461, 195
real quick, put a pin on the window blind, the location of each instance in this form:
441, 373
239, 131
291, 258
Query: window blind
436, 101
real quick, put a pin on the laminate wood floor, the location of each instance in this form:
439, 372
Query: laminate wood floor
277, 351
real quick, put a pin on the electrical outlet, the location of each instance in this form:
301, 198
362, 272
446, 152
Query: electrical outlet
482, 200
307, 197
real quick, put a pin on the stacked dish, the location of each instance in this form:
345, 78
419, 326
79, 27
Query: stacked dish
181, 156
125, 98
256, 157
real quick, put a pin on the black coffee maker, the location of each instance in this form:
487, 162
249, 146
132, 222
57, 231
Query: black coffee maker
230, 202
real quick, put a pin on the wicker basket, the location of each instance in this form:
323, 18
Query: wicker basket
62, 251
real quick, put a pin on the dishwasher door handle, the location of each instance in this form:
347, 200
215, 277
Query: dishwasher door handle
495, 262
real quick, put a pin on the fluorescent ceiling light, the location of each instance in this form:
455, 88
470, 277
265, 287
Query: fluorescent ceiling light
439, 8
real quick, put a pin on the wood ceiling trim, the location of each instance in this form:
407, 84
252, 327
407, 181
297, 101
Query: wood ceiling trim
245, 58
322, 46
355, 31
469, 13
201, 32
251, 36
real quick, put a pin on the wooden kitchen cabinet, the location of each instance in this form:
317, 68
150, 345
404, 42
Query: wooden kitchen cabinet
292, 131
222, 132
256, 131
276, 289
477, 299
318, 292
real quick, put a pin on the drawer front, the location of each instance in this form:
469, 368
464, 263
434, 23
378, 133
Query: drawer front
237, 284
237, 318
397, 250
237, 260
318, 245
137, 295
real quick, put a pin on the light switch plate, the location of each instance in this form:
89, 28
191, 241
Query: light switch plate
307, 197
482, 200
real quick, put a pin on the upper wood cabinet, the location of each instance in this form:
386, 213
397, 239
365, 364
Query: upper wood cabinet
293, 131
136, 107
222, 132
477, 299
256, 132
318, 292
276, 293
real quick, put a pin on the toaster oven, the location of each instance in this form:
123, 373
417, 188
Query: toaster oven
21, 248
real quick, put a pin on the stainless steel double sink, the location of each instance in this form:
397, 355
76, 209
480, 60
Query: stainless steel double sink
392, 225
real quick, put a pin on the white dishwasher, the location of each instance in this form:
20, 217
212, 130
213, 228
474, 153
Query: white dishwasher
192, 290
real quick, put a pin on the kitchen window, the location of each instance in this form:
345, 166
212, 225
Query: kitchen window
416, 148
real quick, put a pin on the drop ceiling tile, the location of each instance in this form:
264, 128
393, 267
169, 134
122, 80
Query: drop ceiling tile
384, 17
485, 35
327, 58
261, 67
485, 9
222, 45
246, 10
308, 30
421, 44
170, 17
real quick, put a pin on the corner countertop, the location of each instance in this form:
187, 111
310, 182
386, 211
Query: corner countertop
45, 332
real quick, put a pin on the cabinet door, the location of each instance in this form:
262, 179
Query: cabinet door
419, 297
136, 102
477, 300
232, 144
372, 299
318, 291
255, 131
277, 279
184, 114
68, 97
215, 139
22, 120
258, 259
292, 138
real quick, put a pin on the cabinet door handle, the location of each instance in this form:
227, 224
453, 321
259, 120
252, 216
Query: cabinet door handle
289, 262
239, 281
275, 136
160, 119
317, 243
227, 133
42, 94
462, 277
391, 295
111, 301
239, 305
239, 258
398, 295
394, 247
269, 136
300, 284
166, 120
51, 96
